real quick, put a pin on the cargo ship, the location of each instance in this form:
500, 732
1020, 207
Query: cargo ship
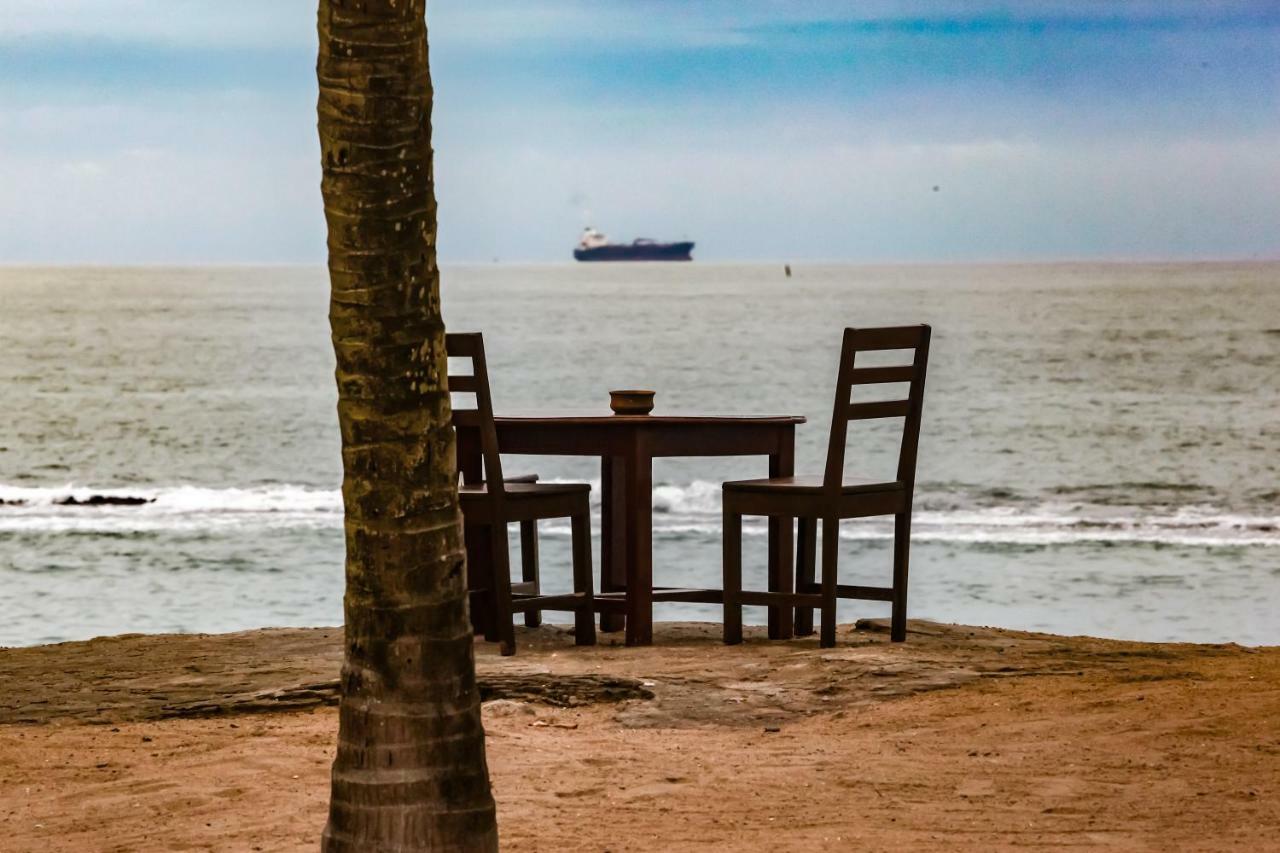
594, 246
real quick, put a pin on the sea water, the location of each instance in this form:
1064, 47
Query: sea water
1100, 450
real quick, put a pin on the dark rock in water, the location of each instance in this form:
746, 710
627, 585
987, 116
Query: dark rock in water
15, 502
104, 500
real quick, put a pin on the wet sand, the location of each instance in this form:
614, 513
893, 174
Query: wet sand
962, 738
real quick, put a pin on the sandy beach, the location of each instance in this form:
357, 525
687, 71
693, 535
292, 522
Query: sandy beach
962, 738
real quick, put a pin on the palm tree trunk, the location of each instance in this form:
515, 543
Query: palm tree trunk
410, 770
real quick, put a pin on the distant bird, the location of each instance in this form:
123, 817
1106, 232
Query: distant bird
787, 268
936, 187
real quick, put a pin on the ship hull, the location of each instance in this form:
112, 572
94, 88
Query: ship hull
637, 252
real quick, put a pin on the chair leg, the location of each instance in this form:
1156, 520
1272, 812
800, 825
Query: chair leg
505, 627
806, 563
584, 618
477, 541
529, 567
901, 550
830, 552
732, 577
781, 576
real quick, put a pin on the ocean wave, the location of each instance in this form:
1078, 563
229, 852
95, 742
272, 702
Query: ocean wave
161, 508
691, 510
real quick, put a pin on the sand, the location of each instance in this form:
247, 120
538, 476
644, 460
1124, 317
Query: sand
960, 739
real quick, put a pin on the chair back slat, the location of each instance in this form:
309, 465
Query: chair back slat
879, 409
882, 375
463, 384
890, 337
464, 344
915, 338
470, 345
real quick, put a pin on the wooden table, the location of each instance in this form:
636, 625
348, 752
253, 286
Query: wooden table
627, 446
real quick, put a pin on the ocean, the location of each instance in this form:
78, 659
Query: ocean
1100, 450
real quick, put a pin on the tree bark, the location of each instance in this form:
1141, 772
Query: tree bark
410, 772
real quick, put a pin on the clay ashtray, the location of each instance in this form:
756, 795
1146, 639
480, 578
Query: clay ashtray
631, 402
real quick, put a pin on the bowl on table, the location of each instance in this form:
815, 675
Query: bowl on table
631, 402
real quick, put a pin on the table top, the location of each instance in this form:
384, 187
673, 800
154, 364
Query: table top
661, 419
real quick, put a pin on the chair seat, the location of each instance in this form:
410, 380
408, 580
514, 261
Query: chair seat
518, 490
810, 485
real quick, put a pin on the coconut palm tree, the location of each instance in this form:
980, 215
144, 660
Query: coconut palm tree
410, 770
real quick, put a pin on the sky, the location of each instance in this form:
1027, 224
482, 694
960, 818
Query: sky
183, 131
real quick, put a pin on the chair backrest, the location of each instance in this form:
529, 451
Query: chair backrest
470, 345
914, 338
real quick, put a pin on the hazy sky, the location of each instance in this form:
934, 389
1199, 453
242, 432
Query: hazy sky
161, 131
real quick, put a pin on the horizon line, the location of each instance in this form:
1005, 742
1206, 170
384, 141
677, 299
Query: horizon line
1047, 261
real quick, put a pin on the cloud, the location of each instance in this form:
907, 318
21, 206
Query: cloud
873, 201
658, 23
83, 169
228, 23
224, 178
177, 130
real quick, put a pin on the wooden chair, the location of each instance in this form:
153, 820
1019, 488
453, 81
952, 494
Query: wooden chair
492, 503
833, 497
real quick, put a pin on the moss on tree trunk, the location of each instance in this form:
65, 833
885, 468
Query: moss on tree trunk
410, 770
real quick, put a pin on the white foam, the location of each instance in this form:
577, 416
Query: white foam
679, 511
179, 508
698, 498
694, 510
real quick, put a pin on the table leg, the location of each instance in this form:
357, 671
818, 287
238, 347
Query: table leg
639, 522
613, 536
781, 570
